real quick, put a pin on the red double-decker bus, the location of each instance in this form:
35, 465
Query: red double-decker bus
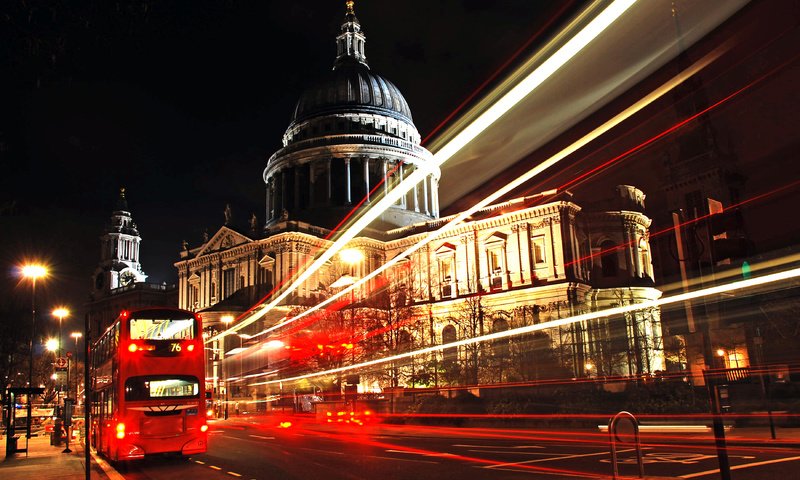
148, 378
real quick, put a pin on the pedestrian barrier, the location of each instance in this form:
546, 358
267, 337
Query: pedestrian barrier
615, 437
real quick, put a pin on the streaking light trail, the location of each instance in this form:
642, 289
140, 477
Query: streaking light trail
602, 21
739, 285
453, 222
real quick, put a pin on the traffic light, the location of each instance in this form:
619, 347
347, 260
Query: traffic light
725, 229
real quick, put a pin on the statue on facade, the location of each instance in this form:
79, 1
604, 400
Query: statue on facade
253, 223
228, 213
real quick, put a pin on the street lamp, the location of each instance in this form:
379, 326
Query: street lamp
32, 272
60, 313
76, 336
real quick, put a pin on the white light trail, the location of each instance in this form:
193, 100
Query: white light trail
740, 285
534, 79
501, 107
527, 176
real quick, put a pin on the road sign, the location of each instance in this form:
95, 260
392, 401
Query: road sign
61, 362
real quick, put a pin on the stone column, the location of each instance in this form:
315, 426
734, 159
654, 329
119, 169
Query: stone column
283, 190
311, 173
328, 175
297, 202
385, 177
366, 177
347, 169
425, 195
634, 248
268, 199
403, 199
435, 196
416, 196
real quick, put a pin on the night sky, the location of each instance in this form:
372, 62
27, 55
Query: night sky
182, 102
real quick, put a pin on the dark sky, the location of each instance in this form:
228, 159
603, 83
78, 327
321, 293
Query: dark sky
182, 102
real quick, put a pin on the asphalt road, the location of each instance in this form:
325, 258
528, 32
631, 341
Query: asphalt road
259, 450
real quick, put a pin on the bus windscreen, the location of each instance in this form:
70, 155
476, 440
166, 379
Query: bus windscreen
162, 328
161, 387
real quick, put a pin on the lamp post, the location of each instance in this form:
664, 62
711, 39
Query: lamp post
76, 336
226, 319
32, 272
60, 313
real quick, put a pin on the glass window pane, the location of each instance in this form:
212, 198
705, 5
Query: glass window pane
162, 387
162, 329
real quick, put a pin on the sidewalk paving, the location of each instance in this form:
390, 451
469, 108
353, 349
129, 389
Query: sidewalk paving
45, 461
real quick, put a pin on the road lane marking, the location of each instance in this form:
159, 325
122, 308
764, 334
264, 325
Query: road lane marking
263, 437
496, 446
198, 461
234, 474
519, 453
740, 467
322, 451
399, 459
435, 454
583, 455
214, 467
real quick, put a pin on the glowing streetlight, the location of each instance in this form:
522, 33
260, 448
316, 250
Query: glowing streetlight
32, 272
51, 345
60, 313
76, 336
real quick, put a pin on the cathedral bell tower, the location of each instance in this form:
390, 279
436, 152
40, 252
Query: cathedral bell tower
119, 251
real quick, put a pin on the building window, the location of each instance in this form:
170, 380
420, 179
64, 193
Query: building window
500, 347
449, 336
228, 282
447, 275
495, 255
538, 250
608, 259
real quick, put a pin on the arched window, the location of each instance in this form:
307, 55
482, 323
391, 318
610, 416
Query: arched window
608, 259
500, 347
449, 336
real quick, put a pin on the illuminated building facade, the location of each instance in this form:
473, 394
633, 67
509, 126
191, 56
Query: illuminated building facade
522, 262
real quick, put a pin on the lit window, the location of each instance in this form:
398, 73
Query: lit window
538, 250
446, 269
495, 260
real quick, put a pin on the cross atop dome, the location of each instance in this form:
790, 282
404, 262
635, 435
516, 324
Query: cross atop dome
350, 43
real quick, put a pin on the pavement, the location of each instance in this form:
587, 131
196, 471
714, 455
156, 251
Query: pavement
44, 461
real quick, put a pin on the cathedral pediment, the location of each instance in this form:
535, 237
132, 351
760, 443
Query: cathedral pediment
224, 239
